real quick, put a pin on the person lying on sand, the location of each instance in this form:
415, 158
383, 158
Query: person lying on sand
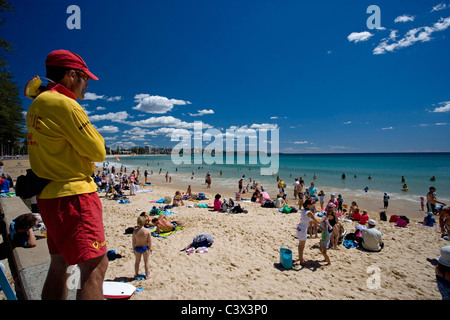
163, 225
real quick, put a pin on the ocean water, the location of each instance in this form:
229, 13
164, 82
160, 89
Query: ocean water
385, 169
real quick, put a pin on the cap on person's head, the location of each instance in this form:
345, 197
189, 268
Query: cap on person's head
67, 59
333, 195
372, 222
444, 258
430, 213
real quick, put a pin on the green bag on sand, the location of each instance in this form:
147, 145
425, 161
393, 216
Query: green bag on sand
286, 209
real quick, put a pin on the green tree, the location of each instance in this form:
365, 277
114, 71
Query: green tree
11, 111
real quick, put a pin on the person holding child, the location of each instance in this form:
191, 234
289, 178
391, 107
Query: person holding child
142, 246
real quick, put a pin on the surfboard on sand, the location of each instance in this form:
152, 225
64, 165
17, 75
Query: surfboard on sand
117, 290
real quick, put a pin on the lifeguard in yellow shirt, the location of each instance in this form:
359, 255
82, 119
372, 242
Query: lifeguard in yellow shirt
62, 146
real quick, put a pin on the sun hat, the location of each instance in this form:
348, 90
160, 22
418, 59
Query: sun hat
68, 59
444, 258
372, 222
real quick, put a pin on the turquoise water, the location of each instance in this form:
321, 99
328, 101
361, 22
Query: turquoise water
386, 170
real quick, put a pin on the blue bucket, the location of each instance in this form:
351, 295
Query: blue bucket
286, 257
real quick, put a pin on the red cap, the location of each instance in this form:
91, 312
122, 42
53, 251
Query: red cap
67, 59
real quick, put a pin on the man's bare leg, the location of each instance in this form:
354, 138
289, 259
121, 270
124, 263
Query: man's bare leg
55, 286
91, 279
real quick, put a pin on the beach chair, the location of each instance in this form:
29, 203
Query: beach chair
5, 286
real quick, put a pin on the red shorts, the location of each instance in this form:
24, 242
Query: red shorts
74, 226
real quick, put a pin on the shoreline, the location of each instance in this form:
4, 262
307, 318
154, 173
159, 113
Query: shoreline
371, 201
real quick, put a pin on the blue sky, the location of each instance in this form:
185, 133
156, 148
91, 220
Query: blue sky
313, 70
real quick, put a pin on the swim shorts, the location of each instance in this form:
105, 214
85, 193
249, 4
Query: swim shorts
74, 226
140, 249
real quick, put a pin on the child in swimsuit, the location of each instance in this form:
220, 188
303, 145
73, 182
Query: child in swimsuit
142, 246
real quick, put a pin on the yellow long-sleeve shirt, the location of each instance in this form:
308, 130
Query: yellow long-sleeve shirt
62, 144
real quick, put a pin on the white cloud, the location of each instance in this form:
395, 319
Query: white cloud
388, 128
359, 36
117, 98
421, 34
404, 18
156, 104
201, 112
115, 117
100, 108
108, 129
444, 107
348, 122
94, 96
440, 6
301, 142
441, 123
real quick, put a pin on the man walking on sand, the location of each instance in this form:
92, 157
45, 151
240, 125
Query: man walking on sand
63, 145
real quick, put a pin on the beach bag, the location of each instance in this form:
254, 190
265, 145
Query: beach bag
286, 209
404, 218
401, 223
286, 257
30, 185
237, 209
202, 240
383, 216
393, 218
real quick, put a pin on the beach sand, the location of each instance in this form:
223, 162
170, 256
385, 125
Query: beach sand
244, 261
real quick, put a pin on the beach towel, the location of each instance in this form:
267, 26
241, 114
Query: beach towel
143, 191
166, 234
123, 201
350, 244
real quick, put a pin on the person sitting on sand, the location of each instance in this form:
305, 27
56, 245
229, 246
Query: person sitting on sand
280, 202
163, 225
356, 216
189, 192
142, 245
217, 202
352, 208
429, 220
371, 239
178, 199
364, 217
